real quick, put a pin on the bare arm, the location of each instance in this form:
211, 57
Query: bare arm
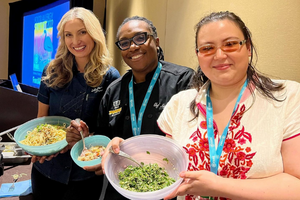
43, 109
281, 186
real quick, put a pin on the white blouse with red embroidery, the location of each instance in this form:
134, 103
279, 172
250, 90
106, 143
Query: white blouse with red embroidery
257, 129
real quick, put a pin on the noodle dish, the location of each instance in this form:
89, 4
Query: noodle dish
43, 136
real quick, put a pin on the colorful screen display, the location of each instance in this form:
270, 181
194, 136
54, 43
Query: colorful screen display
40, 40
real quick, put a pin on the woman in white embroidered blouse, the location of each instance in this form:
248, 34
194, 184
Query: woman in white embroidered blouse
239, 128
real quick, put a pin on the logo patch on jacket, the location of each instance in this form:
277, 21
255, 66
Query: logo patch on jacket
116, 104
116, 110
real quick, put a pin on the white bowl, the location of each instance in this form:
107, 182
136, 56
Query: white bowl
138, 147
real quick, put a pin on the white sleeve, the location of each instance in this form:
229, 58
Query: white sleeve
167, 117
292, 112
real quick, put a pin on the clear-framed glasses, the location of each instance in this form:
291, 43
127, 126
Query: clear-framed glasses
227, 46
138, 39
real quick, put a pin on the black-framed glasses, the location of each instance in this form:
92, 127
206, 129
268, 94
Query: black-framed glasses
138, 39
227, 46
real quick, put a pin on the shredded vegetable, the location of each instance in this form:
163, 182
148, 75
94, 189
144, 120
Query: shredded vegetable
148, 178
92, 153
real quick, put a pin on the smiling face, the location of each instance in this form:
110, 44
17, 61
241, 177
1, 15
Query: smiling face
78, 41
223, 68
142, 59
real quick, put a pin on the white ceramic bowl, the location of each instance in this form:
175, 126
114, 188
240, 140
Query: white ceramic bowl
46, 150
160, 147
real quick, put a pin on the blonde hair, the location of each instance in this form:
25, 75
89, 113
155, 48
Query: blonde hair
60, 72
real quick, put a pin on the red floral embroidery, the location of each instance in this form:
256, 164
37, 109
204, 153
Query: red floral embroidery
195, 135
229, 145
236, 159
203, 125
192, 152
204, 146
249, 163
241, 156
223, 172
188, 197
242, 141
248, 149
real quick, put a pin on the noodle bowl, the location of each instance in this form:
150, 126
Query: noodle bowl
45, 150
45, 134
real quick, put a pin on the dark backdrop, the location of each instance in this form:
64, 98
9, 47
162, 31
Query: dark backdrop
17, 9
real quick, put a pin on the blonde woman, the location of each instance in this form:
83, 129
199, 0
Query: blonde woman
72, 86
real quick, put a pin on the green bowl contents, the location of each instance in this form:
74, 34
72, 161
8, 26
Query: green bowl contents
148, 178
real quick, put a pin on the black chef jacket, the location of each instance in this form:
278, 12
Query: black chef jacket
114, 107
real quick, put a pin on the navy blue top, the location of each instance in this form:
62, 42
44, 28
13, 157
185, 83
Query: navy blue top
75, 100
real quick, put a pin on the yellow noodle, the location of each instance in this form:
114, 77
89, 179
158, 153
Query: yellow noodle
45, 134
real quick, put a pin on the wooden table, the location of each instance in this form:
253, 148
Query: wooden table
10, 169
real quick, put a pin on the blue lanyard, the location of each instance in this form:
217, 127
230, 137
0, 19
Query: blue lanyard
136, 127
214, 153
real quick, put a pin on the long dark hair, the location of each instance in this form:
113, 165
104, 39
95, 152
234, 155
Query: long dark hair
262, 83
160, 53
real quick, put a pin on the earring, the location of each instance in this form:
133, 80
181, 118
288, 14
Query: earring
201, 74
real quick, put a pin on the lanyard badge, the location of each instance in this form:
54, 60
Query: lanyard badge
215, 153
136, 124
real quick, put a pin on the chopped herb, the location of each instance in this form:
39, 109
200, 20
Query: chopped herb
148, 178
148, 152
166, 159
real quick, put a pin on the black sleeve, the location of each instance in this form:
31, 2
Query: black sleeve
103, 117
185, 80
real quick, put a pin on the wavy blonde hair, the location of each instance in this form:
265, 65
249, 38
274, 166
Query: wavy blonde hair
60, 72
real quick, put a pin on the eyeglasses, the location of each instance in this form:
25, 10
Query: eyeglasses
227, 46
138, 39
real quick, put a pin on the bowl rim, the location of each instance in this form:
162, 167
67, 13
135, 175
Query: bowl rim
152, 136
35, 150
163, 190
90, 162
